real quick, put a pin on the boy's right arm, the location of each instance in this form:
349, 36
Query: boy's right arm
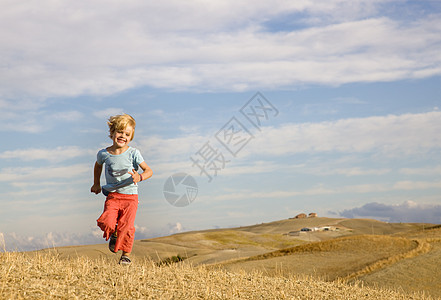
96, 187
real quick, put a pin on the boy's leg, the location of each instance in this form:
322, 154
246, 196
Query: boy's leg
107, 220
112, 241
126, 225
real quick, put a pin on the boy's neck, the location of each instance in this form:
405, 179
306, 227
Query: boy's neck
115, 150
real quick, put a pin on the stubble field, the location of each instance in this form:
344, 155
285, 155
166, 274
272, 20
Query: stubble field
356, 259
47, 276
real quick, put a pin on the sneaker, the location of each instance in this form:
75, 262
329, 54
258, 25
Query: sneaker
125, 260
112, 242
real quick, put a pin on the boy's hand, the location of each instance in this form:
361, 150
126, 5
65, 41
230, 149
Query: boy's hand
96, 189
135, 176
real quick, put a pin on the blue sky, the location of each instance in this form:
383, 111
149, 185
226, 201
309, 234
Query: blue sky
356, 86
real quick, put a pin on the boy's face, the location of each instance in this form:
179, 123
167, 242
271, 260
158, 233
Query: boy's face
122, 138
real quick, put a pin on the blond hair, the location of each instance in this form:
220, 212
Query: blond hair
120, 122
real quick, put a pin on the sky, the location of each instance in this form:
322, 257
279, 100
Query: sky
252, 111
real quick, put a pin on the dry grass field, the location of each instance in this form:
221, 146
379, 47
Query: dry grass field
47, 276
352, 259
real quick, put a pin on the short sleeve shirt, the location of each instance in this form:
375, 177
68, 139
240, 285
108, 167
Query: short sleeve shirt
116, 170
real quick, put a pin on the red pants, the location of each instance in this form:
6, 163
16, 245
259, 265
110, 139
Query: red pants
119, 209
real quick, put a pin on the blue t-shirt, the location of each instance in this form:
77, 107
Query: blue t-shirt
116, 170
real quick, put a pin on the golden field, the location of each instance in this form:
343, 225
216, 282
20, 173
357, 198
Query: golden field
352, 259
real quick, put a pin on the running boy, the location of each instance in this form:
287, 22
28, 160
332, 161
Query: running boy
121, 189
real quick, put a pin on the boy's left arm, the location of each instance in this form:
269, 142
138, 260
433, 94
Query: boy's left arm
147, 173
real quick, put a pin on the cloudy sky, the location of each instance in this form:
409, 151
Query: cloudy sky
273, 107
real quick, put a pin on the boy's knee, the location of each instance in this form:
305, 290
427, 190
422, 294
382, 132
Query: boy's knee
106, 223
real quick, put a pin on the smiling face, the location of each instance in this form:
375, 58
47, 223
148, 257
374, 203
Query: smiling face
122, 137
121, 130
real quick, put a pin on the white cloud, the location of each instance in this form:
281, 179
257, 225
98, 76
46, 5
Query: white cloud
171, 149
68, 116
36, 174
254, 167
353, 171
32, 116
164, 170
382, 136
106, 113
140, 229
321, 189
416, 185
175, 228
432, 170
57, 154
15, 242
30, 119
262, 166
11, 241
393, 135
67, 49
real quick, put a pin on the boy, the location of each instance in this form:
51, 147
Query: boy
121, 162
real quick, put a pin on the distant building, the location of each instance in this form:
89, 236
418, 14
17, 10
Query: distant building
312, 215
300, 216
